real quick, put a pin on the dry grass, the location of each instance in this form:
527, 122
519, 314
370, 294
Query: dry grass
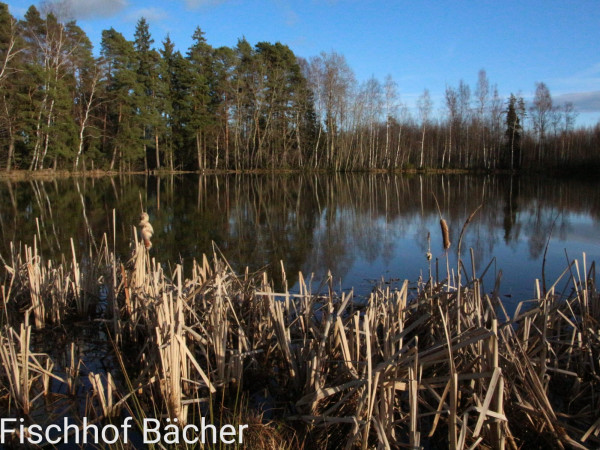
26, 375
444, 366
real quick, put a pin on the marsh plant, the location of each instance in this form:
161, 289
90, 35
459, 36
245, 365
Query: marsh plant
435, 363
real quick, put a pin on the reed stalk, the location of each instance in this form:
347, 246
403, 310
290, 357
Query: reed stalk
429, 362
24, 372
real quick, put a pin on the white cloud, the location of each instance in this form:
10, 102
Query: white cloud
151, 14
583, 80
583, 102
195, 4
86, 9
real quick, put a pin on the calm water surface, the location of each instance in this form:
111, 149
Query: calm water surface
364, 228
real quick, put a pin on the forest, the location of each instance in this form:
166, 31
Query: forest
137, 106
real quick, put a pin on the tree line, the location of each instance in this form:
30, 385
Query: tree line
139, 107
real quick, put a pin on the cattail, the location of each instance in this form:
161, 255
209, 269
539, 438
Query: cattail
146, 230
428, 255
146, 235
445, 234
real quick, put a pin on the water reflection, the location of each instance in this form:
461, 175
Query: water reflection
361, 227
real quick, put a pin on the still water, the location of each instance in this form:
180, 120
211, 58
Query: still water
364, 228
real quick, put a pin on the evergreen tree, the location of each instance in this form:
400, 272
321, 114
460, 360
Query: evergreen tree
243, 107
167, 79
10, 50
224, 61
56, 57
200, 57
35, 84
281, 106
178, 78
72, 87
244, 83
149, 94
122, 126
513, 132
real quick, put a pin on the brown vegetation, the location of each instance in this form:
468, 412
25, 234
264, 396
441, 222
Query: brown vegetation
433, 364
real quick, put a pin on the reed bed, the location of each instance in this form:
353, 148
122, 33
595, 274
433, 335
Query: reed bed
433, 364
26, 375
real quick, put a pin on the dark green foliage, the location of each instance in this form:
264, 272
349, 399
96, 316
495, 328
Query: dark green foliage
149, 92
246, 108
200, 79
512, 155
10, 113
123, 132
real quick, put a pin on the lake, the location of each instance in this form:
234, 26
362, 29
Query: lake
364, 228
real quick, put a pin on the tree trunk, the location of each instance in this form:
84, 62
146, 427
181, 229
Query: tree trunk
145, 158
116, 147
217, 154
199, 150
157, 152
422, 147
38, 136
226, 143
11, 151
47, 136
88, 107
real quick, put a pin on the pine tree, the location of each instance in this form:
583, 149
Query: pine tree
244, 82
10, 52
123, 129
513, 134
224, 62
167, 79
73, 94
150, 90
281, 106
200, 57
35, 85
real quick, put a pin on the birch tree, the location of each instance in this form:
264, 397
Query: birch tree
424, 107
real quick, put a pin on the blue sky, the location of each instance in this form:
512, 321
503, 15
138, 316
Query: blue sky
422, 44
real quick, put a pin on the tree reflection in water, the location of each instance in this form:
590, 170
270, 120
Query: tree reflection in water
359, 226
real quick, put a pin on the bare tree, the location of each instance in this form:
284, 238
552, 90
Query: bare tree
452, 105
331, 79
372, 90
496, 121
464, 117
569, 116
540, 115
424, 105
482, 92
404, 119
391, 95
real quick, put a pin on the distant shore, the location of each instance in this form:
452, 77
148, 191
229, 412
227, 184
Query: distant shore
46, 174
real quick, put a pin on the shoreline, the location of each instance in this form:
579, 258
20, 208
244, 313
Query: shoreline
50, 174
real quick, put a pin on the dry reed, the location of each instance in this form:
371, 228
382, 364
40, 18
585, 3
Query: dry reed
408, 368
24, 373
